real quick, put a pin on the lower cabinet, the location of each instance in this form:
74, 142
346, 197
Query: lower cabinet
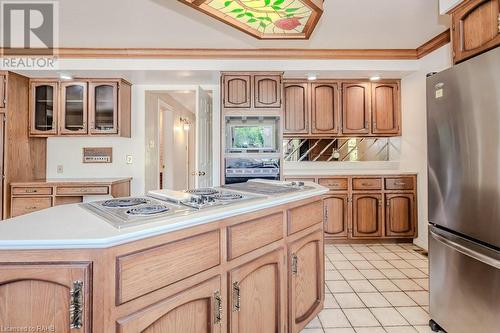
198, 309
366, 215
257, 295
400, 214
336, 215
305, 279
52, 297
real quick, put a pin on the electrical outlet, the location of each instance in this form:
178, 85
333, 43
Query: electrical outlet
130, 159
60, 169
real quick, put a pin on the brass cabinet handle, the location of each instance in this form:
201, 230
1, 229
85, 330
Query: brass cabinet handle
380, 202
31, 190
236, 297
366, 184
400, 183
218, 307
76, 305
30, 207
295, 264
326, 214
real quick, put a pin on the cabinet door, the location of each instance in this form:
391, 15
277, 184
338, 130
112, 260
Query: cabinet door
267, 91
325, 108
296, 108
335, 210
46, 295
386, 114
356, 108
103, 107
198, 309
400, 215
2, 153
237, 91
475, 28
367, 215
43, 108
257, 295
306, 280
3, 91
74, 108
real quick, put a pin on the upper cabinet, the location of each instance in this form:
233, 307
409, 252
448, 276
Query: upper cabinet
252, 90
84, 107
3, 91
475, 28
342, 108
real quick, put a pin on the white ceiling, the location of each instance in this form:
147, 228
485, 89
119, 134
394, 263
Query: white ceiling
357, 24
185, 97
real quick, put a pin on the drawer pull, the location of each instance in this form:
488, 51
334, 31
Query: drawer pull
295, 264
31, 190
367, 184
218, 307
76, 305
30, 207
236, 297
400, 183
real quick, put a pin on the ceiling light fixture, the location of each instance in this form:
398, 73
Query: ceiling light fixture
375, 78
65, 76
312, 77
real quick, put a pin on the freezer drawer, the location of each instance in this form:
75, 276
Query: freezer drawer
464, 284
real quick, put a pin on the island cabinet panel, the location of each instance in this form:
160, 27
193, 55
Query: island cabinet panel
267, 91
475, 28
325, 108
54, 296
254, 234
305, 279
198, 309
367, 215
356, 108
300, 218
385, 108
147, 270
400, 214
257, 301
336, 215
296, 114
237, 91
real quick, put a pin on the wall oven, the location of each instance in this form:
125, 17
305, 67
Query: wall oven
240, 170
252, 134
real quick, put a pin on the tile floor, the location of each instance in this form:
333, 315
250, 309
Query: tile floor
372, 288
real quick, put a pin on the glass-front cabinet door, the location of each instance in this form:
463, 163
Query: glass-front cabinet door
103, 107
43, 108
74, 108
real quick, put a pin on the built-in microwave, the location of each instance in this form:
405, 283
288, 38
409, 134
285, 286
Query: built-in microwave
252, 134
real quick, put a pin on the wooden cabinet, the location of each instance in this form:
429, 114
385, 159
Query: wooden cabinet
400, 214
325, 108
475, 28
46, 295
367, 215
198, 309
73, 108
305, 279
257, 295
385, 108
3, 90
267, 91
336, 215
237, 91
26, 205
296, 114
44, 103
356, 108
103, 107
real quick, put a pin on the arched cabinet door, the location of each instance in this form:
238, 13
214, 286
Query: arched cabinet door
267, 91
43, 108
366, 215
400, 215
335, 214
103, 107
305, 279
237, 91
386, 114
46, 295
356, 108
325, 108
257, 295
74, 108
296, 114
198, 309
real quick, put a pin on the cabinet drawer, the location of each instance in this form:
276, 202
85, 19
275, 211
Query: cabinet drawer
400, 183
334, 184
367, 184
302, 217
145, 271
249, 236
32, 190
82, 190
21, 206
299, 179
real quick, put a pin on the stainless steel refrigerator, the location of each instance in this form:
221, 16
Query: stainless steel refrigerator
463, 138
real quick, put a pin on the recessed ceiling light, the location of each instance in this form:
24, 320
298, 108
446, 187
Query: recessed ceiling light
312, 77
375, 78
64, 76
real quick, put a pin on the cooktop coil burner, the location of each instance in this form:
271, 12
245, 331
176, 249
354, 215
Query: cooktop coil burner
227, 196
148, 210
128, 202
202, 191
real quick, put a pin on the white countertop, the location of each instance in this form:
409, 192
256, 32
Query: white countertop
343, 168
71, 226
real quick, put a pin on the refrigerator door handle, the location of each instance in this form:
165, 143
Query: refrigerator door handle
460, 246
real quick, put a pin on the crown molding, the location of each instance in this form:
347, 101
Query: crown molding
434, 44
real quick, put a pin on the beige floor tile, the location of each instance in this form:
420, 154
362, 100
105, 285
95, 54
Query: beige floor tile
315, 323
330, 302
362, 286
384, 285
413, 273
339, 287
361, 318
346, 249
333, 275
415, 315
336, 256
407, 284
389, 255
389, 317
400, 263
369, 330
372, 273
333, 318
351, 274
354, 256
340, 330
398, 298
372, 256
363, 249
407, 255
348, 300
331, 250
418, 263
362, 264
381, 264
423, 329
425, 270
426, 308
329, 266
420, 297
400, 329
312, 330
393, 273
343, 265
424, 283
374, 300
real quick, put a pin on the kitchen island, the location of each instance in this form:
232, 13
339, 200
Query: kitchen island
254, 266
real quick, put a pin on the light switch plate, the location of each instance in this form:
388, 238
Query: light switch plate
130, 159
60, 169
